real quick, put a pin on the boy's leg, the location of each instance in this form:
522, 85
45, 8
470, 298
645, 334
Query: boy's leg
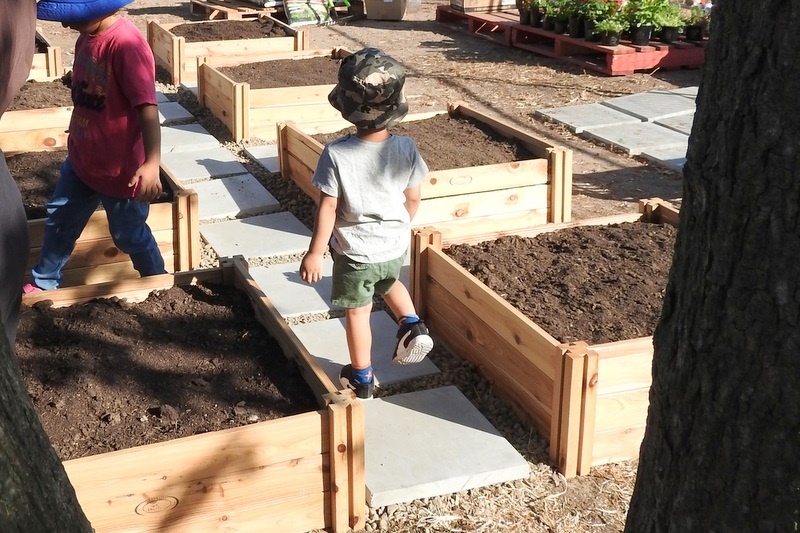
132, 235
68, 211
358, 374
413, 338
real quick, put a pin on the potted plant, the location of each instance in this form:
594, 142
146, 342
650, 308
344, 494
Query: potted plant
669, 23
537, 12
593, 11
696, 20
643, 17
524, 8
610, 29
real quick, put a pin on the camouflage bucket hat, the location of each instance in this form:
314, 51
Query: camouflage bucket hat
370, 90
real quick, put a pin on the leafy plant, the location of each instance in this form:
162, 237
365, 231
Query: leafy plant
562, 9
670, 17
613, 24
696, 16
645, 12
597, 10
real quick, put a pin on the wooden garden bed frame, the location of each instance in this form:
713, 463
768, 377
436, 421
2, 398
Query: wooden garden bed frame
179, 58
255, 112
31, 130
589, 401
288, 475
95, 259
465, 204
47, 65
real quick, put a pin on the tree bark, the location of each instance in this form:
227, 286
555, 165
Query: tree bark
35, 494
722, 447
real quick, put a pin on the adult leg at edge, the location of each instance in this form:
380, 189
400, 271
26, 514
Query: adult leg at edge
14, 249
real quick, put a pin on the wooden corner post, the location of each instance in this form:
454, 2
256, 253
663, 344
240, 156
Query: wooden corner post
420, 241
348, 484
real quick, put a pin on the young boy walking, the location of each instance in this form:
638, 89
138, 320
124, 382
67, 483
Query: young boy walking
114, 145
369, 192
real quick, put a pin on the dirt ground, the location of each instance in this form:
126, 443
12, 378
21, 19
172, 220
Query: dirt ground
444, 64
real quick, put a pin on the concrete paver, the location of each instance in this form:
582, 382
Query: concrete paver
169, 112
266, 155
234, 196
635, 138
186, 138
202, 165
579, 117
290, 295
262, 236
652, 105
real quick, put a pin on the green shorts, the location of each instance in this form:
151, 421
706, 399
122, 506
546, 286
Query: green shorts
354, 283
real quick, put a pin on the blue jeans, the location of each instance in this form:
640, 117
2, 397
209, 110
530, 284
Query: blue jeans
68, 211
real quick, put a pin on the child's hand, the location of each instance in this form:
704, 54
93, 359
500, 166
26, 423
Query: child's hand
311, 267
148, 177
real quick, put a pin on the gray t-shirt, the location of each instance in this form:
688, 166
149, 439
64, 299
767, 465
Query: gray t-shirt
370, 179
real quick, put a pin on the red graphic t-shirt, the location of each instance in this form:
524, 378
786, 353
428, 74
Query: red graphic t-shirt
113, 73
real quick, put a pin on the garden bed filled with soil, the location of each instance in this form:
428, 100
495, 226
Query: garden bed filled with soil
592, 283
285, 72
228, 30
42, 95
109, 375
36, 174
446, 142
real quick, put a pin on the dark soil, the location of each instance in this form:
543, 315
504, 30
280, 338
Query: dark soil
227, 30
42, 95
109, 375
286, 72
592, 283
447, 142
36, 174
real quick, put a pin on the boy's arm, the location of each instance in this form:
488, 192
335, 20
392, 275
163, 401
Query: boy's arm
311, 266
413, 198
149, 175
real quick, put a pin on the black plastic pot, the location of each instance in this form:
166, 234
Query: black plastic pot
669, 34
588, 31
609, 38
576, 27
640, 35
560, 26
694, 33
536, 18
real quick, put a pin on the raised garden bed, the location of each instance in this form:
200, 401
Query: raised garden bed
174, 222
293, 474
474, 202
38, 118
177, 45
47, 63
589, 400
250, 112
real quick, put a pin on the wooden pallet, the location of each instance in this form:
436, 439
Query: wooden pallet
492, 26
620, 60
230, 9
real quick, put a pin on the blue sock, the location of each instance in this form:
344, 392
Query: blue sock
409, 319
362, 375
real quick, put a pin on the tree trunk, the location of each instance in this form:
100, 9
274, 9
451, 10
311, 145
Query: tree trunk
35, 494
722, 446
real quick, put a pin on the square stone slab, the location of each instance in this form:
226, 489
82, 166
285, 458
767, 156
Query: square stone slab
681, 123
169, 112
579, 117
673, 158
234, 196
274, 235
431, 443
326, 341
290, 295
688, 92
202, 165
190, 86
161, 97
266, 155
652, 105
635, 138
186, 138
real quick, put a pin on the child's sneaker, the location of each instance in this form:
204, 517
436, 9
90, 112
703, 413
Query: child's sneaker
29, 288
414, 343
363, 391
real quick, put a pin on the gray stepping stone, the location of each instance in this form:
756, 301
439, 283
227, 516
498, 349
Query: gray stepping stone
635, 138
326, 341
190, 167
234, 196
290, 295
652, 105
681, 123
672, 158
266, 155
161, 98
430, 443
169, 112
688, 92
186, 138
190, 86
579, 117
262, 236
